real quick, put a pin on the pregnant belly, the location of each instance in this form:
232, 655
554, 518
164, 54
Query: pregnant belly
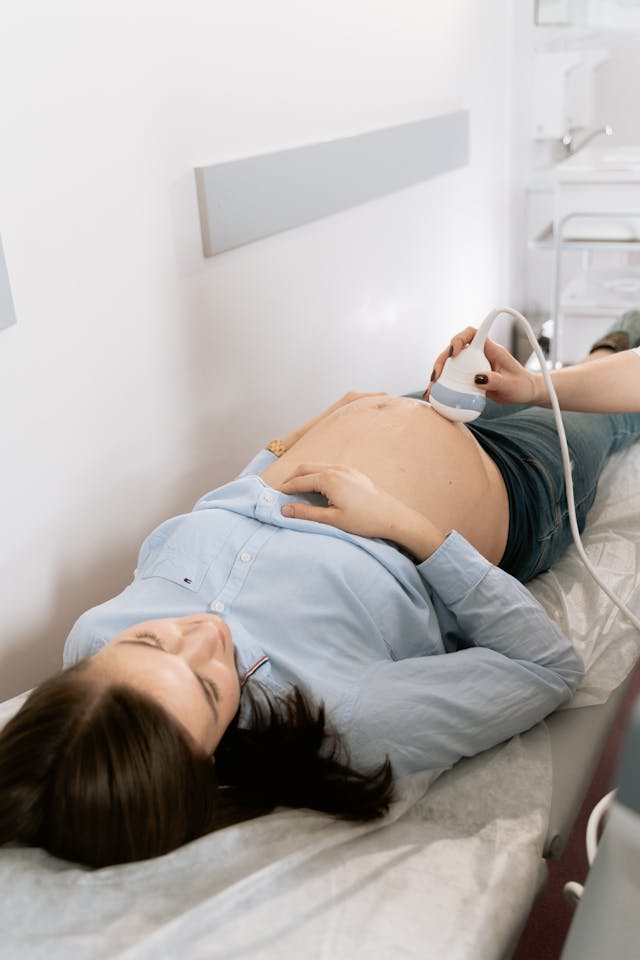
433, 465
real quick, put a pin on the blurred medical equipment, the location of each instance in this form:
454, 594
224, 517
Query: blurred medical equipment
606, 922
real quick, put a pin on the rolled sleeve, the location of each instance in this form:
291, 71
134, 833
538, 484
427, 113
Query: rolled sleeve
454, 568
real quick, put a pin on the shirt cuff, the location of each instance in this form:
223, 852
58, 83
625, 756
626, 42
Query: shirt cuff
454, 568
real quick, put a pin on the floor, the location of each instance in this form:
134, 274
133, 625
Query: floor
548, 924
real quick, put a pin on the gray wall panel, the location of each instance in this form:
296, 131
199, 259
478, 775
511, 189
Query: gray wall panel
244, 200
7, 312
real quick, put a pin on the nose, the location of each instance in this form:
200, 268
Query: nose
202, 640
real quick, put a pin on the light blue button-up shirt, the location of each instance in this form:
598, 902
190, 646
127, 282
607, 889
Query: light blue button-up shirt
424, 663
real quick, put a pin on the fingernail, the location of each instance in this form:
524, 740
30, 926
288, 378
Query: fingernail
481, 378
433, 375
451, 350
288, 511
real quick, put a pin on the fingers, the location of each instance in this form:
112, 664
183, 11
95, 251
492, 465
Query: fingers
507, 381
304, 511
332, 481
461, 340
306, 478
488, 380
353, 502
439, 363
500, 358
507, 386
312, 478
457, 343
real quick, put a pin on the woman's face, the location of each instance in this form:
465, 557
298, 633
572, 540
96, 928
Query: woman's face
186, 664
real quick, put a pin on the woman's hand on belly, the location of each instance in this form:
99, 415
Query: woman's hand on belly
355, 504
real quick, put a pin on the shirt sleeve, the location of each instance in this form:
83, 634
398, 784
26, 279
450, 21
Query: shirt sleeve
516, 668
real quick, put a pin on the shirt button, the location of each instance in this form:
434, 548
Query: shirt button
245, 557
218, 606
268, 497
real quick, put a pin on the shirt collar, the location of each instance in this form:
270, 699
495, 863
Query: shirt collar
250, 657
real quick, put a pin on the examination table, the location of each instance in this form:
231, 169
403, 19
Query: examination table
452, 870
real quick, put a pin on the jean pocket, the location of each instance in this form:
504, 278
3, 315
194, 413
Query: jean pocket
545, 556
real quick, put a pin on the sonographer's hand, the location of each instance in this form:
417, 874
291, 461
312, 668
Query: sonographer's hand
506, 382
355, 504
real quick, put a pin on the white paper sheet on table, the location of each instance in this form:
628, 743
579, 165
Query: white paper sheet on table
421, 884
608, 642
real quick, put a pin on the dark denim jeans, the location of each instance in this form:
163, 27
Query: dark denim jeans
524, 444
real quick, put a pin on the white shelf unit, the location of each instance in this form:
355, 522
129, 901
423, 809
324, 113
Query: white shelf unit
606, 302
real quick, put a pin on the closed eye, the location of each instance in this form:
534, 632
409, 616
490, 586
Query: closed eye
211, 692
142, 634
209, 688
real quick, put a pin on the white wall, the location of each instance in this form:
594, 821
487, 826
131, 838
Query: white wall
140, 374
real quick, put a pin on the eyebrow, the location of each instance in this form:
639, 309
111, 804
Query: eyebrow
208, 692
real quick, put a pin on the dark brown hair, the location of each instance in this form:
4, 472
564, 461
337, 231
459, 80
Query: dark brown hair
102, 775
